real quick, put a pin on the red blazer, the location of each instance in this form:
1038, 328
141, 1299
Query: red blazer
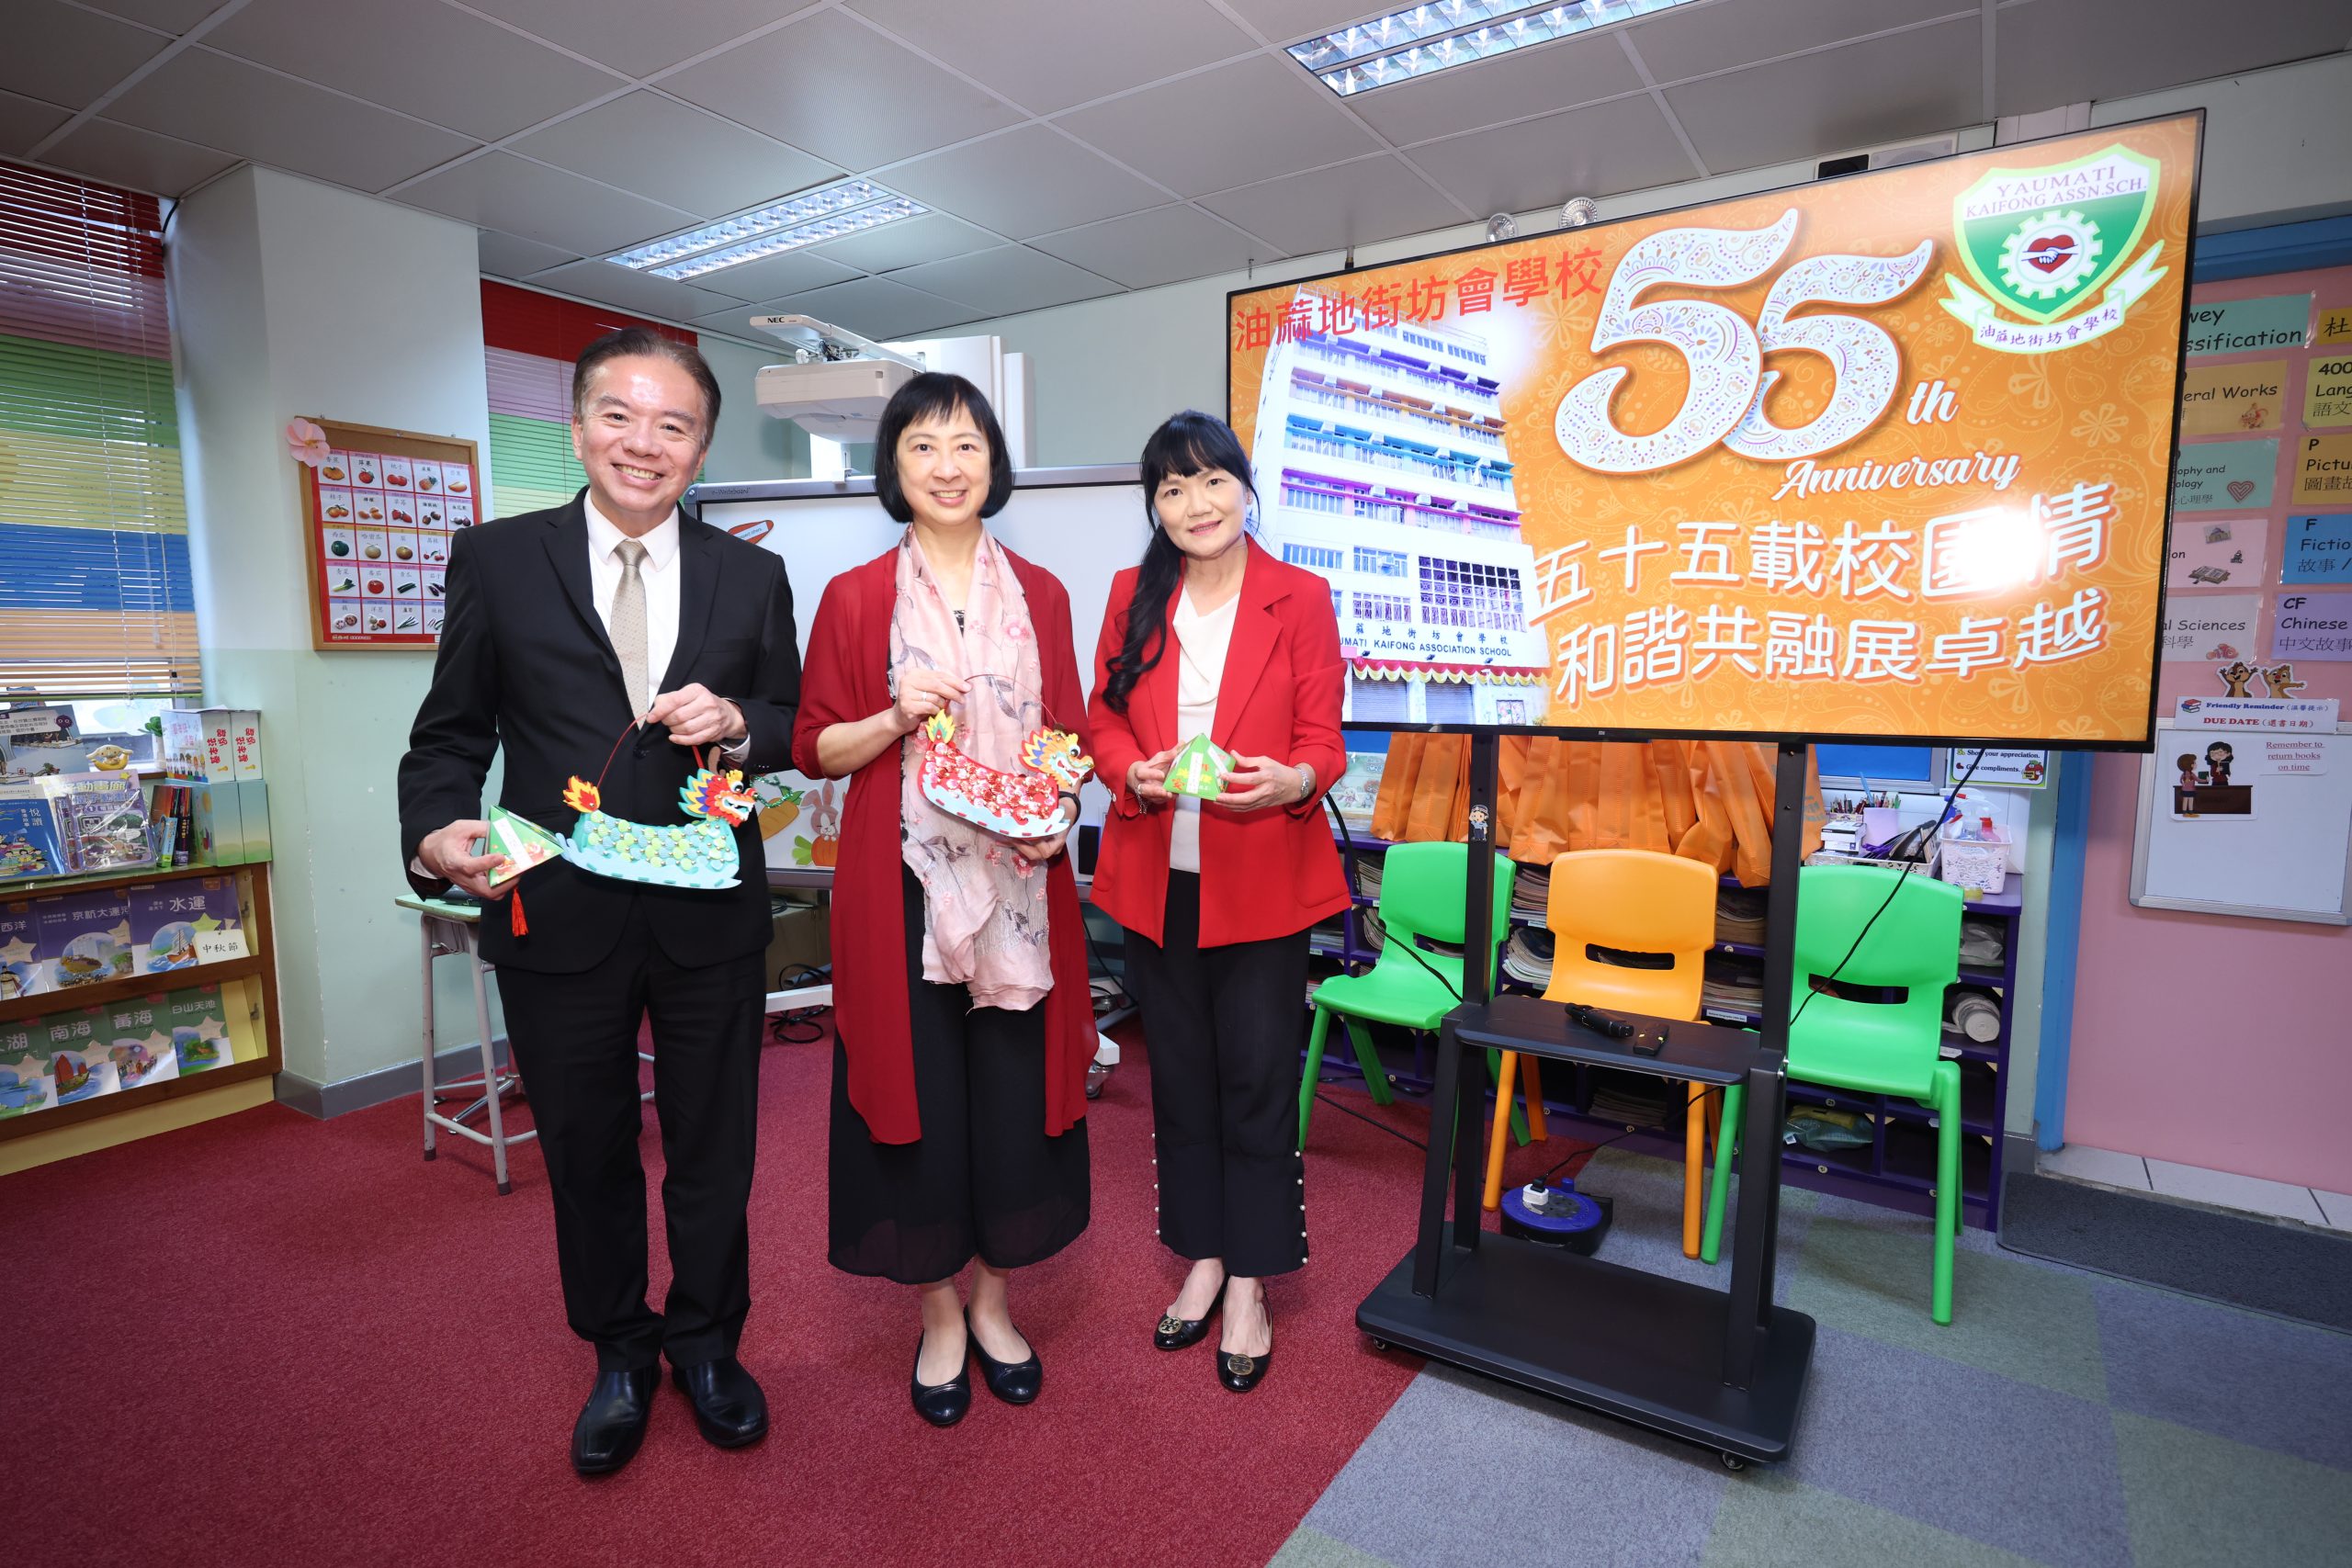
1266, 872
847, 677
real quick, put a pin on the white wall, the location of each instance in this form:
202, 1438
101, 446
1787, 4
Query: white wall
749, 445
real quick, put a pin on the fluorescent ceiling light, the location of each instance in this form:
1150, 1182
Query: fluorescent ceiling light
805, 220
1424, 39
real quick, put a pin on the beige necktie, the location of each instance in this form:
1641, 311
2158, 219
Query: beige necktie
627, 625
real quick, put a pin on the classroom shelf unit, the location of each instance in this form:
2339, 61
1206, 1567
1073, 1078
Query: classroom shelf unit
1895, 1169
248, 996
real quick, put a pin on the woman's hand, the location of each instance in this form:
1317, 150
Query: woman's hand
1037, 852
1148, 780
923, 693
1257, 782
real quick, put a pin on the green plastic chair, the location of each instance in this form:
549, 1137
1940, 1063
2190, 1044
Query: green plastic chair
1424, 890
1872, 1047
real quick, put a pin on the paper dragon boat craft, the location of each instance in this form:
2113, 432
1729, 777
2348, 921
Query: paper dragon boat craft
700, 853
1025, 804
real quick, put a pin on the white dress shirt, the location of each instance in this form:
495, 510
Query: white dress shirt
659, 574
1201, 643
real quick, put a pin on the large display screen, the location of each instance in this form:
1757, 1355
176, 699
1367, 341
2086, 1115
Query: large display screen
1883, 457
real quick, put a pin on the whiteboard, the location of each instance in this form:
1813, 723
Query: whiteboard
2290, 860
1085, 525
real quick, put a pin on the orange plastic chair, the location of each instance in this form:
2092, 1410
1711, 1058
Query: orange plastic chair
1630, 901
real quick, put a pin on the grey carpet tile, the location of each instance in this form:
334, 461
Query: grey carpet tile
2243, 1375
2196, 1501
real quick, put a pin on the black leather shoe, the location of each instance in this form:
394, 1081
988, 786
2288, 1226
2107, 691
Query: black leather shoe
1241, 1373
942, 1404
728, 1405
612, 1423
1183, 1333
1015, 1383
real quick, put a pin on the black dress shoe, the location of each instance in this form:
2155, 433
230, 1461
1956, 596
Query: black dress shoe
613, 1422
1015, 1383
1182, 1333
1241, 1373
942, 1404
728, 1405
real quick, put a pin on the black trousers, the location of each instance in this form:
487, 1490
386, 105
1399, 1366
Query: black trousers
574, 1038
1225, 1026
984, 1179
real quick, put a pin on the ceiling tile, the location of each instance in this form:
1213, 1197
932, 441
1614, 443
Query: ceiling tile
640, 39
1285, 21
1731, 33
906, 242
509, 256
2046, 54
1024, 182
426, 60
794, 272
1530, 80
268, 119
61, 55
539, 203
173, 17
601, 281
733, 321
875, 308
24, 121
1239, 122
1834, 101
1355, 204
682, 156
121, 155
842, 91
1096, 49
1167, 244
1007, 281
1599, 149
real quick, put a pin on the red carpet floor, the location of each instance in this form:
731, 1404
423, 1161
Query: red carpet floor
274, 1340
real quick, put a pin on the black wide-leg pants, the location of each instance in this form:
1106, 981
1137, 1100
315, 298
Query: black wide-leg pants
574, 1039
1224, 1026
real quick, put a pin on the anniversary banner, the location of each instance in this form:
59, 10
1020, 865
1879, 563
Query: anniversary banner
1882, 457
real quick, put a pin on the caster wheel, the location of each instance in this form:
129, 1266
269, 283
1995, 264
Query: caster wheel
1380, 1344
1733, 1462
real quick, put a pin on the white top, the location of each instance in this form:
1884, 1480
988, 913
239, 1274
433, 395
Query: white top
1201, 642
659, 574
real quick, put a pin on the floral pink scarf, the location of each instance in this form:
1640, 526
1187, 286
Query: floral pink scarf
984, 907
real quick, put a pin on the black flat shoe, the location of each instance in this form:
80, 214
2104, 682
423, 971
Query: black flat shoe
1015, 1383
942, 1404
612, 1423
1183, 1333
728, 1405
1239, 1374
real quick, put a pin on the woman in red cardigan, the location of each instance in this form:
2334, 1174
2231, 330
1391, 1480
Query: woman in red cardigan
1212, 636
964, 1023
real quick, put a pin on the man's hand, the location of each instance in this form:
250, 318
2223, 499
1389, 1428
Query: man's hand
1260, 781
696, 717
1148, 780
450, 853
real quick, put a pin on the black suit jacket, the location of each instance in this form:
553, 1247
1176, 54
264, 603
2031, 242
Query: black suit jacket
524, 665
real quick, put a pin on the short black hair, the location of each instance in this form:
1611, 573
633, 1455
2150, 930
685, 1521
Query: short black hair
934, 394
651, 344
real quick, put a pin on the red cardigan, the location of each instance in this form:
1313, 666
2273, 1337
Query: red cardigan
1266, 872
847, 678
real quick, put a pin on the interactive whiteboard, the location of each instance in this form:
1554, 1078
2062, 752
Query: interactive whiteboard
2274, 842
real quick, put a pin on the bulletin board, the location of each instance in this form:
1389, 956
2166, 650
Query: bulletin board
1868, 458
2273, 844
378, 517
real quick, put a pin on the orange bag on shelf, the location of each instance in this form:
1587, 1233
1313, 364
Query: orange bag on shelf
1395, 801
1511, 775
1670, 763
1437, 784
1535, 838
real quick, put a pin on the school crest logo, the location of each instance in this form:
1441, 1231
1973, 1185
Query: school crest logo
2057, 247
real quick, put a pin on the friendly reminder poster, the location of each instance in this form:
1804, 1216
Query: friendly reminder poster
1885, 456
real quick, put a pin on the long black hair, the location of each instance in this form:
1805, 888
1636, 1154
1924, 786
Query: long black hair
1188, 443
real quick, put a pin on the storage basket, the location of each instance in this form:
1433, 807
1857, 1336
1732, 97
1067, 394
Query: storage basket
1981, 863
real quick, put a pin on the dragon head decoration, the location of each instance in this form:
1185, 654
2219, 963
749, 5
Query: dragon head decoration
1055, 752
723, 795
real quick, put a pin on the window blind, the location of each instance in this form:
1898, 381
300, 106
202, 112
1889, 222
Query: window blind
95, 596
529, 341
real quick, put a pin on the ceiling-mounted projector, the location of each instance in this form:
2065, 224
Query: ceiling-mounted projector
838, 382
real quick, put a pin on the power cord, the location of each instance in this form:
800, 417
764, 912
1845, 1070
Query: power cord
787, 1028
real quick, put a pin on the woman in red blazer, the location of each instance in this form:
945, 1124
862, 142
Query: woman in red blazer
964, 1025
1212, 635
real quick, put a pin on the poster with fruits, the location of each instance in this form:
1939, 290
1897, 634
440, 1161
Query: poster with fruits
380, 509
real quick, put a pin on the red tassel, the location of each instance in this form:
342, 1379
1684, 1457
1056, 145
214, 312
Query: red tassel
514, 919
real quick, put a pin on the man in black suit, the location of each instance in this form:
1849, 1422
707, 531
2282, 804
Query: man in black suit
564, 628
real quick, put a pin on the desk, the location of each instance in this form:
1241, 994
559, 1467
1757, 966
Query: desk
1722, 1368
